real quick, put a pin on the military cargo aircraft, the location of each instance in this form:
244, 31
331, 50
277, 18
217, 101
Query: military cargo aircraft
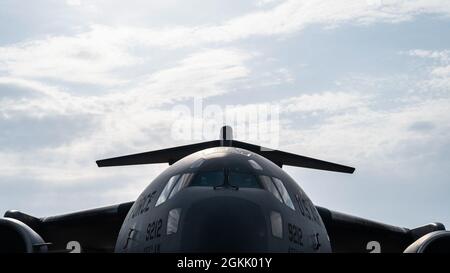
220, 196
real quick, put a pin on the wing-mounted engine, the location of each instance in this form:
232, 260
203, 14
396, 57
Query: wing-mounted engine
354, 234
434, 242
17, 237
93, 230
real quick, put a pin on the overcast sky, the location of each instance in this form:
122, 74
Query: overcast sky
362, 83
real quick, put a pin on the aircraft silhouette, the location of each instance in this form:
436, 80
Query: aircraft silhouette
218, 196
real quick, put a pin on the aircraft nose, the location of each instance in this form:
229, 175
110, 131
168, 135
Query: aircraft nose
224, 224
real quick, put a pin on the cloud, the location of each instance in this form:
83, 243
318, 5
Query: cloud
327, 102
267, 2
88, 57
124, 121
375, 137
443, 55
103, 54
205, 73
46, 101
400, 153
443, 71
116, 122
73, 2
438, 68
292, 16
130, 75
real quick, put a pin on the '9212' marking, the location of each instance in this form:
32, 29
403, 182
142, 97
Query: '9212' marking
295, 234
154, 230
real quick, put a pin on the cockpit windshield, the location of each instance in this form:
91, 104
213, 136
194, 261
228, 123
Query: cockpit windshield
213, 171
208, 179
243, 180
224, 178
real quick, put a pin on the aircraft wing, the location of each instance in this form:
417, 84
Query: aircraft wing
93, 230
353, 234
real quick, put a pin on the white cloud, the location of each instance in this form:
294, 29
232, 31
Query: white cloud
73, 2
443, 55
327, 102
129, 114
442, 71
124, 121
206, 73
438, 79
50, 100
292, 16
121, 121
356, 128
99, 55
88, 57
266, 2
379, 133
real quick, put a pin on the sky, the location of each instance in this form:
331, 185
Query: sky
361, 83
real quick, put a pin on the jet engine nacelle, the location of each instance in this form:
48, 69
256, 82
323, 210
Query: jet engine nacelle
16, 236
433, 242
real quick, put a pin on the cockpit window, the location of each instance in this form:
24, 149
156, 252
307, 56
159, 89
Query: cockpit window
223, 178
208, 179
167, 189
243, 180
233, 178
268, 185
277, 188
174, 185
284, 193
182, 183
